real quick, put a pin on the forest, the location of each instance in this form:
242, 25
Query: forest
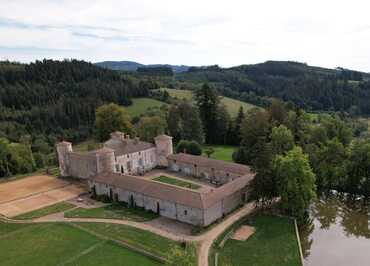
311, 88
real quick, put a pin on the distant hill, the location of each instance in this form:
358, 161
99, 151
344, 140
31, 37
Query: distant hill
133, 66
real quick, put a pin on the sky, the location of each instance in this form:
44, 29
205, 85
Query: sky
323, 33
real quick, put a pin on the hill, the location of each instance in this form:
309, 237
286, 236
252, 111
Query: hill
133, 66
311, 88
232, 105
58, 99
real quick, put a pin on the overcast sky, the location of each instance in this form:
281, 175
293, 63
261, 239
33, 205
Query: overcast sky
194, 32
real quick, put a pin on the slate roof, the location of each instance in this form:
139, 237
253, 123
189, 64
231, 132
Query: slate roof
126, 146
210, 163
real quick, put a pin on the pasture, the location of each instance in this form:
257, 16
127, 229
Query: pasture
231, 105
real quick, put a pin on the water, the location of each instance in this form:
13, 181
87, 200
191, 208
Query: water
337, 233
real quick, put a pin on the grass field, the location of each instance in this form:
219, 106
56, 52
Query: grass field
176, 182
273, 243
59, 207
138, 238
63, 244
140, 105
222, 152
231, 105
113, 211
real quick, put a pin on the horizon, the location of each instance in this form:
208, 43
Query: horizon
188, 33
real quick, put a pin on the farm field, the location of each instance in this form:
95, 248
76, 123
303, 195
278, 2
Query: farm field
61, 244
273, 243
221, 152
231, 105
176, 182
112, 211
140, 105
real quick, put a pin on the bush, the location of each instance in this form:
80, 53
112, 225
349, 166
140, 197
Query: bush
190, 147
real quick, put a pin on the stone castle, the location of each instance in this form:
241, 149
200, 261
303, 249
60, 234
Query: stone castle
123, 170
120, 154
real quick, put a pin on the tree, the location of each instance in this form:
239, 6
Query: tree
255, 129
296, 182
190, 147
184, 122
222, 125
358, 181
209, 151
150, 127
110, 118
237, 125
4, 158
207, 101
282, 139
331, 165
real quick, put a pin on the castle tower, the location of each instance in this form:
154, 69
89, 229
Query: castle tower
63, 149
105, 160
164, 148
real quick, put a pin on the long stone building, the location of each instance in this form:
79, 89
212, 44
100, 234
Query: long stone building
195, 207
116, 171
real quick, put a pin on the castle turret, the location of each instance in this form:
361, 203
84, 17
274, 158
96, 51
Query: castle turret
63, 150
164, 148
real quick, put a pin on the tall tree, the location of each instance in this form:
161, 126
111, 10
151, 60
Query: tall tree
184, 122
150, 127
282, 139
109, 118
296, 182
207, 101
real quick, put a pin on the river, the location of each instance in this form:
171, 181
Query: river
337, 233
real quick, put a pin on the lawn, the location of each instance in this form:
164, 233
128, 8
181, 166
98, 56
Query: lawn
273, 243
231, 105
222, 152
148, 241
58, 207
113, 211
140, 106
176, 182
62, 244
109, 254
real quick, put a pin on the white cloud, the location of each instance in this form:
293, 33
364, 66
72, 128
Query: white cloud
326, 33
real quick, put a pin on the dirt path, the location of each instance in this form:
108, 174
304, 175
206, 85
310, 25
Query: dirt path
205, 240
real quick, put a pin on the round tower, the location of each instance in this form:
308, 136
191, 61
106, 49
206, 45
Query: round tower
164, 147
63, 150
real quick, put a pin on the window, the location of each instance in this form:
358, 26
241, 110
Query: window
128, 155
185, 212
117, 168
227, 174
195, 165
139, 152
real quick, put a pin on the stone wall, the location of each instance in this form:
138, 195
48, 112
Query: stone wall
136, 162
214, 176
167, 209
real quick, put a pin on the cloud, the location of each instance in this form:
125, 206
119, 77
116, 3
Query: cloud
330, 33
